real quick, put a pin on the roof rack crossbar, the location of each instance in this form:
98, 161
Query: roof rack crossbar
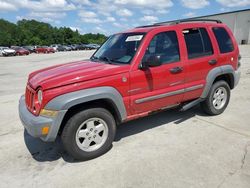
188, 20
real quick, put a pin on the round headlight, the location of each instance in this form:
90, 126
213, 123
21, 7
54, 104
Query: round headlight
40, 96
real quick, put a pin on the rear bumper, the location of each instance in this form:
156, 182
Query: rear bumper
34, 124
237, 75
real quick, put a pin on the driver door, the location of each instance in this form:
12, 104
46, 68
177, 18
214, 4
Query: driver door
158, 87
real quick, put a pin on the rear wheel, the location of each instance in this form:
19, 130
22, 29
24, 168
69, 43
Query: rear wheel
89, 133
218, 98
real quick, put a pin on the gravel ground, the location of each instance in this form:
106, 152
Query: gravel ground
169, 149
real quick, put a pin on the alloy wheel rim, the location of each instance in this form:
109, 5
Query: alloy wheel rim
219, 98
92, 134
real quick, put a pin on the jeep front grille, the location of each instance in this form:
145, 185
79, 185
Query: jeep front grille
29, 98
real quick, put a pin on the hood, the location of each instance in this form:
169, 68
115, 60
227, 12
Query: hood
74, 72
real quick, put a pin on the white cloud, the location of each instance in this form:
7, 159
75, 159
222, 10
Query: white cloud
224, 9
89, 17
82, 2
124, 12
54, 15
149, 19
6, 6
99, 29
147, 11
189, 14
195, 4
156, 4
91, 20
110, 19
104, 7
43, 5
87, 14
234, 3
162, 11
75, 28
124, 19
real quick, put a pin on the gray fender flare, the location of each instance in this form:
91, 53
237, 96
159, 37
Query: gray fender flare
213, 74
66, 101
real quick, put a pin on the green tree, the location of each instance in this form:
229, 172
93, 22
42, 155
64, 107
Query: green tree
32, 32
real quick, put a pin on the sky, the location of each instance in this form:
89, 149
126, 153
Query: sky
111, 16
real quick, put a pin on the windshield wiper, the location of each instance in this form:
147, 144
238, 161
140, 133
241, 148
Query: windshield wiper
94, 58
105, 58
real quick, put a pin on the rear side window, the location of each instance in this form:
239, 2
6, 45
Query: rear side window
198, 42
224, 41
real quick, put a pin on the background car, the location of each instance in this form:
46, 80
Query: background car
67, 47
82, 47
55, 47
5, 51
61, 48
92, 46
44, 49
21, 51
31, 49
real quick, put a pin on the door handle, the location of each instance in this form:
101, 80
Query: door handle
212, 62
176, 70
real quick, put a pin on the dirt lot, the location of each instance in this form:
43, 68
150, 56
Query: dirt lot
169, 149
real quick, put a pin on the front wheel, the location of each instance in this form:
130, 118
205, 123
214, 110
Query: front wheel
217, 99
89, 133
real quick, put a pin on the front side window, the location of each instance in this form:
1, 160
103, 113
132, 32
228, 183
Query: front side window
164, 45
198, 42
224, 41
119, 48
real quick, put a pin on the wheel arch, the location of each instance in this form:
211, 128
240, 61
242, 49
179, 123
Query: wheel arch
225, 73
105, 97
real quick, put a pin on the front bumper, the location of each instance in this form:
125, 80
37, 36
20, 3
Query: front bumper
9, 53
34, 124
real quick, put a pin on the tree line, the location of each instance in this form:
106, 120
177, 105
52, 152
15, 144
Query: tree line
32, 32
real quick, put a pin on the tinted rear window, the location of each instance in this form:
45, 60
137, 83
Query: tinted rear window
198, 42
224, 41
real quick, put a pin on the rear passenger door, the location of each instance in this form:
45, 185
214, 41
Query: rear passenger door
199, 61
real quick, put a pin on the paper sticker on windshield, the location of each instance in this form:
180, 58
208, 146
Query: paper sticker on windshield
134, 38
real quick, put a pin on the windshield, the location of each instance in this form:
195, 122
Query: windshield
119, 48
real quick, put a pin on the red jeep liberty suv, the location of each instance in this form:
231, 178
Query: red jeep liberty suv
134, 73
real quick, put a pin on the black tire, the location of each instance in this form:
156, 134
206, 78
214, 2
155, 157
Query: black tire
208, 106
69, 132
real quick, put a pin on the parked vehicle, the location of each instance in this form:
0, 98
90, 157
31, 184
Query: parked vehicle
133, 74
73, 47
55, 47
61, 48
93, 46
44, 49
31, 49
67, 47
21, 51
82, 47
5, 51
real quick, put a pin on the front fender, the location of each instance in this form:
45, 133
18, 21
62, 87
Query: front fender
66, 101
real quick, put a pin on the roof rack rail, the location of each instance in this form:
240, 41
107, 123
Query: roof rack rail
187, 20
144, 26
174, 22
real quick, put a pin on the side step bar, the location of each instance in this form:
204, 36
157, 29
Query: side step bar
191, 104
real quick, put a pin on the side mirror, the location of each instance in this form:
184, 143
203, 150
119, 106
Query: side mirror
151, 61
